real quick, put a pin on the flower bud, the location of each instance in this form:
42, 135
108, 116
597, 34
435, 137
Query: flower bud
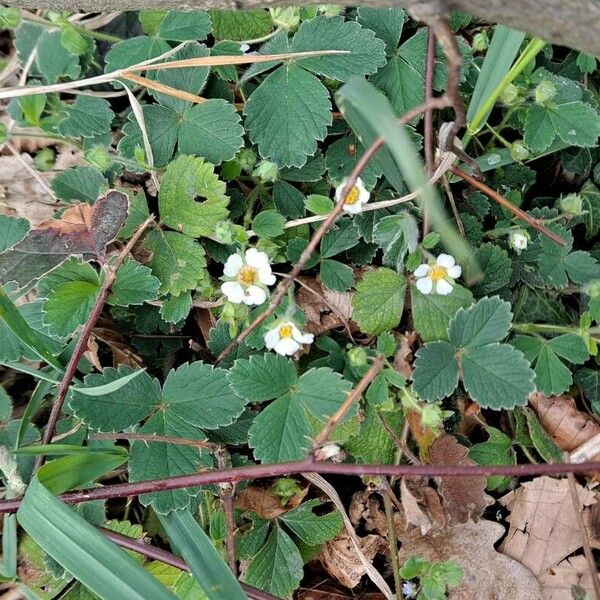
509, 94
286, 17
98, 157
518, 240
357, 357
545, 91
480, 41
266, 171
571, 204
519, 151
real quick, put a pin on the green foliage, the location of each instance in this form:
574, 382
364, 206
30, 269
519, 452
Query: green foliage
435, 579
86, 117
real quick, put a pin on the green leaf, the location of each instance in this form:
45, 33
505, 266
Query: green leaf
86, 117
342, 157
582, 267
70, 291
366, 52
496, 376
82, 550
539, 132
134, 50
435, 375
288, 200
432, 313
321, 392
495, 267
319, 205
588, 381
485, 322
340, 238
576, 123
79, 183
186, 179
198, 135
387, 23
551, 259
543, 443
497, 450
379, 301
107, 388
5, 405
590, 196
336, 276
133, 285
313, 529
262, 377
12, 231
571, 347
268, 223
241, 24
397, 235
198, 551
277, 568
181, 26
177, 260
53, 60
176, 308
287, 114
119, 408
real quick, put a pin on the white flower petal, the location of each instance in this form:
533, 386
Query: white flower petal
353, 209
454, 271
265, 275
255, 295
301, 338
445, 260
257, 259
234, 291
424, 285
271, 338
421, 270
287, 347
443, 288
363, 192
338, 191
233, 265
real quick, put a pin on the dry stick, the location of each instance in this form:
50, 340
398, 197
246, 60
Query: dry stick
428, 117
352, 397
285, 284
265, 471
392, 540
82, 342
153, 437
170, 559
226, 493
502, 201
161, 87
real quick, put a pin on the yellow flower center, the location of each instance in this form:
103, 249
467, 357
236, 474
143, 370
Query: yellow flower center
352, 196
247, 275
437, 273
285, 332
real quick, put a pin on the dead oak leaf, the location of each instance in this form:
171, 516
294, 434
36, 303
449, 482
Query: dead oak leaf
544, 527
487, 574
558, 582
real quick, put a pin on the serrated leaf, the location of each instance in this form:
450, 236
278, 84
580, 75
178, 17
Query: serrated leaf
313, 529
496, 376
342, 157
268, 223
497, 450
588, 381
321, 392
495, 267
133, 285
277, 568
387, 23
53, 60
79, 183
5, 405
241, 24
543, 443
186, 179
262, 377
12, 231
582, 267
366, 52
177, 260
185, 25
86, 117
288, 200
397, 235
435, 374
432, 313
551, 267
485, 322
379, 301
538, 133
133, 51
338, 239
576, 123
176, 308
552, 376
336, 276
590, 196
287, 114
571, 347
118, 409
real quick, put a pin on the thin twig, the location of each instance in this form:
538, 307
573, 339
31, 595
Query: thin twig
400, 441
226, 493
154, 437
392, 541
502, 201
350, 400
459, 221
161, 87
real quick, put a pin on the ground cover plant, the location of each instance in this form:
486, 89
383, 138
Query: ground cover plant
297, 302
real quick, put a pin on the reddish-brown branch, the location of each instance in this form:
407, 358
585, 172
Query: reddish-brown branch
122, 490
502, 201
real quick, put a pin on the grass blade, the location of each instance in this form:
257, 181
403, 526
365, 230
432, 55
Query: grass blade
42, 389
108, 388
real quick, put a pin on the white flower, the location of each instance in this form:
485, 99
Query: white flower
437, 278
329, 451
356, 197
408, 589
518, 240
247, 277
286, 338
244, 48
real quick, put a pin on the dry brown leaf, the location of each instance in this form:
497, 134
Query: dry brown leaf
404, 355
544, 528
326, 592
464, 497
366, 511
413, 513
568, 427
262, 501
340, 559
558, 582
488, 575
122, 354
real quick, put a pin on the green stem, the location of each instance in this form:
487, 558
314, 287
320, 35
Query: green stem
253, 197
97, 35
553, 329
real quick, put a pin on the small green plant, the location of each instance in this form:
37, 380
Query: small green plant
426, 580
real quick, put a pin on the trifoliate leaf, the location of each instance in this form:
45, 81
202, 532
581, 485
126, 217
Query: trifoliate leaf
571, 347
495, 267
367, 52
198, 135
53, 60
12, 231
336, 276
340, 238
262, 377
397, 235
117, 410
133, 285
311, 528
551, 259
181, 26
177, 260
287, 114
79, 183
432, 313
70, 292
133, 51
387, 23
576, 123
496, 376
186, 179
278, 566
240, 24
176, 308
485, 322
379, 301
588, 381
435, 375
199, 394
268, 223
86, 117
